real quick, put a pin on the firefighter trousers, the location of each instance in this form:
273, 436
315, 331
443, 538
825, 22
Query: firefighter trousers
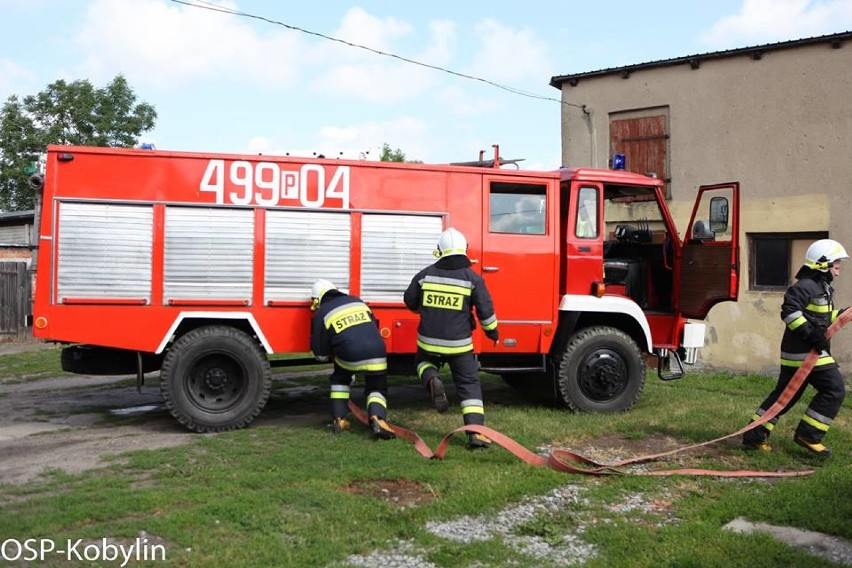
375, 392
465, 372
820, 413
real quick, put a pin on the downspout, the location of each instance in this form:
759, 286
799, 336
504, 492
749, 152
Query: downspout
593, 141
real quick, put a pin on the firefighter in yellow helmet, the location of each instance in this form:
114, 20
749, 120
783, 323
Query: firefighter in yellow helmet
807, 311
343, 328
445, 295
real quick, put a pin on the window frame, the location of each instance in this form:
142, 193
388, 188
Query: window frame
793, 264
648, 151
587, 194
519, 190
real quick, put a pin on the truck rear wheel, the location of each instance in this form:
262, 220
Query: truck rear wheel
600, 370
215, 378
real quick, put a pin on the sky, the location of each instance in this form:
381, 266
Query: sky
438, 80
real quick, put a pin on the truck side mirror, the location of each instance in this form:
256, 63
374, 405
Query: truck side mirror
719, 214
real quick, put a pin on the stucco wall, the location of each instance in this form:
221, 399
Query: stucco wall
781, 125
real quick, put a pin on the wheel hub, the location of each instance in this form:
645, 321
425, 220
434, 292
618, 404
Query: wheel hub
603, 376
216, 380
216, 383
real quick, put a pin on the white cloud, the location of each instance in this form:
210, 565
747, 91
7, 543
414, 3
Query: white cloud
443, 43
506, 54
360, 28
375, 82
173, 45
463, 102
354, 141
405, 133
12, 76
358, 74
765, 21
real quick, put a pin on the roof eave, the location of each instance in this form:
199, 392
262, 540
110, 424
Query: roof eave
756, 52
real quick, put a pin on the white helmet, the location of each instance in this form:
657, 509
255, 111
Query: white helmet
318, 290
822, 254
451, 242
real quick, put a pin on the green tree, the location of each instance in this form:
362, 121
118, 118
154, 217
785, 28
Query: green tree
389, 155
73, 113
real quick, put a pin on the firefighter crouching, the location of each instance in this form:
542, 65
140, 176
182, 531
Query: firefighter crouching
445, 294
343, 327
807, 311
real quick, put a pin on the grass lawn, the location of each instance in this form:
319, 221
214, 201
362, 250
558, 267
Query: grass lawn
298, 496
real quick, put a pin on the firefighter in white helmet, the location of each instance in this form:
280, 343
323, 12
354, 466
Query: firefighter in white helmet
807, 311
445, 295
343, 328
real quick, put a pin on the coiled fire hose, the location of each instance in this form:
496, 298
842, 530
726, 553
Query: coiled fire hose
572, 462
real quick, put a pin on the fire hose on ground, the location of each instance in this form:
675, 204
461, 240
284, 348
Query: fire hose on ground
571, 462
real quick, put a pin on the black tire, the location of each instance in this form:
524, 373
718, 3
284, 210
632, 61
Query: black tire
600, 370
215, 378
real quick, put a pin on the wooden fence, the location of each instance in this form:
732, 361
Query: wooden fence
15, 298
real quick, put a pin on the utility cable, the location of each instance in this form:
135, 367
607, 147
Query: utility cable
201, 4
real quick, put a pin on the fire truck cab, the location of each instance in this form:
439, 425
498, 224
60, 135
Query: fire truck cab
200, 266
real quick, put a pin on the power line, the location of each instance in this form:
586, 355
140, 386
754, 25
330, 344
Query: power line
201, 4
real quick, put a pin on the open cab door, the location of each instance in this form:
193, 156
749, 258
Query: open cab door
709, 262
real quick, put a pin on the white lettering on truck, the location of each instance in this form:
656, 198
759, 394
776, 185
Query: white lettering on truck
266, 184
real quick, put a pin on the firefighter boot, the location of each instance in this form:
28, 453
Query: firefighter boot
756, 444
338, 425
381, 429
377, 409
757, 439
439, 395
477, 441
815, 448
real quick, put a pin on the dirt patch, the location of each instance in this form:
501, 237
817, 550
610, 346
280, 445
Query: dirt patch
72, 423
832, 548
613, 448
19, 345
80, 422
401, 492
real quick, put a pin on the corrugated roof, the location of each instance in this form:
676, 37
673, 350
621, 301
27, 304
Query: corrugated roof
836, 40
17, 216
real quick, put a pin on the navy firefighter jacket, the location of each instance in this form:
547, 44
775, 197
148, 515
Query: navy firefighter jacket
807, 311
345, 328
445, 294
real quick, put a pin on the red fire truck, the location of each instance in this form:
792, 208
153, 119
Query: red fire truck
200, 266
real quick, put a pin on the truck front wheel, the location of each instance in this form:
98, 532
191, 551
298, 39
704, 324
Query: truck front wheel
600, 370
215, 378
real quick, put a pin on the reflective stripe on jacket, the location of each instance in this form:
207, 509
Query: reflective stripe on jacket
445, 294
345, 327
807, 306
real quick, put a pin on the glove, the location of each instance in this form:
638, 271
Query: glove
816, 337
493, 334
